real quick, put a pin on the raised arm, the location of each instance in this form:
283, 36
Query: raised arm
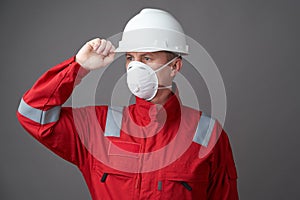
40, 111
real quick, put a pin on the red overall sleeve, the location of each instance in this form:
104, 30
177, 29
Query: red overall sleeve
223, 181
40, 111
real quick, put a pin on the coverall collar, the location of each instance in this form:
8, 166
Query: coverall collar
147, 110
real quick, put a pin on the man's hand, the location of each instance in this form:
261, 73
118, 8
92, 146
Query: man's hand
95, 54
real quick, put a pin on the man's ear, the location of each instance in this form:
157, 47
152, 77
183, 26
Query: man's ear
176, 67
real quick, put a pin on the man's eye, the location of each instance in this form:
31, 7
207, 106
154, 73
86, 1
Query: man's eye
147, 58
129, 58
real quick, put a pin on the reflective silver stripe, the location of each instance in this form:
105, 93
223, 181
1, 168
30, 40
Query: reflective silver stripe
204, 130
113, 121
39, 116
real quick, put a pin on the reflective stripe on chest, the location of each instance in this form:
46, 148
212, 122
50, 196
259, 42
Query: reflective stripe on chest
114, 121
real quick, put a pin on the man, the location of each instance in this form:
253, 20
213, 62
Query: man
154, 149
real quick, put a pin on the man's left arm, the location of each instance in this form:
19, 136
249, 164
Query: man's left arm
223, 180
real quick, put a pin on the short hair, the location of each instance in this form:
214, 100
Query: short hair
171, 55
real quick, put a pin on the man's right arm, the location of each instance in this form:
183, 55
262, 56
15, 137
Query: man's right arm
40, 111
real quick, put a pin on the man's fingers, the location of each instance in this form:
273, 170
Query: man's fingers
107, 48
95, 43
101, 47
112, 50
95, 54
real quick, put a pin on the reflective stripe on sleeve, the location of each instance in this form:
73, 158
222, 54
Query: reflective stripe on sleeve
113, 121
204, 130
37, 115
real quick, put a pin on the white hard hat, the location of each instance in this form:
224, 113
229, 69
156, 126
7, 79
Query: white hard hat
153, 30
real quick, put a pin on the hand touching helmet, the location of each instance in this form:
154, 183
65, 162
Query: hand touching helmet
95, 54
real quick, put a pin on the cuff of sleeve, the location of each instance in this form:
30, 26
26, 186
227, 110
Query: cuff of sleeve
81, 72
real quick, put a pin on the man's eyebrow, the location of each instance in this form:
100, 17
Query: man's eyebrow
144, 54
147, 54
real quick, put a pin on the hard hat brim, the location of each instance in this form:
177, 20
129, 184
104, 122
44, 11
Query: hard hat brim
148, 49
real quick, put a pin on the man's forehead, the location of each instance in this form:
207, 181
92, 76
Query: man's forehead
143, 53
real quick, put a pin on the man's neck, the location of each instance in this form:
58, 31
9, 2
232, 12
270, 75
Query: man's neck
162, 96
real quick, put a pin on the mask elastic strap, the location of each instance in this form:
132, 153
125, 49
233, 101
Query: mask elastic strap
167, 63
165, 87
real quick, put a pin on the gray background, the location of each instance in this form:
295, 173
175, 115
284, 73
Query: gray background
254, 43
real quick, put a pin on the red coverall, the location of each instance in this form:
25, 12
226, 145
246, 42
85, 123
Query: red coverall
135, 161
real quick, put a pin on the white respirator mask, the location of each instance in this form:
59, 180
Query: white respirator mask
142, 80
